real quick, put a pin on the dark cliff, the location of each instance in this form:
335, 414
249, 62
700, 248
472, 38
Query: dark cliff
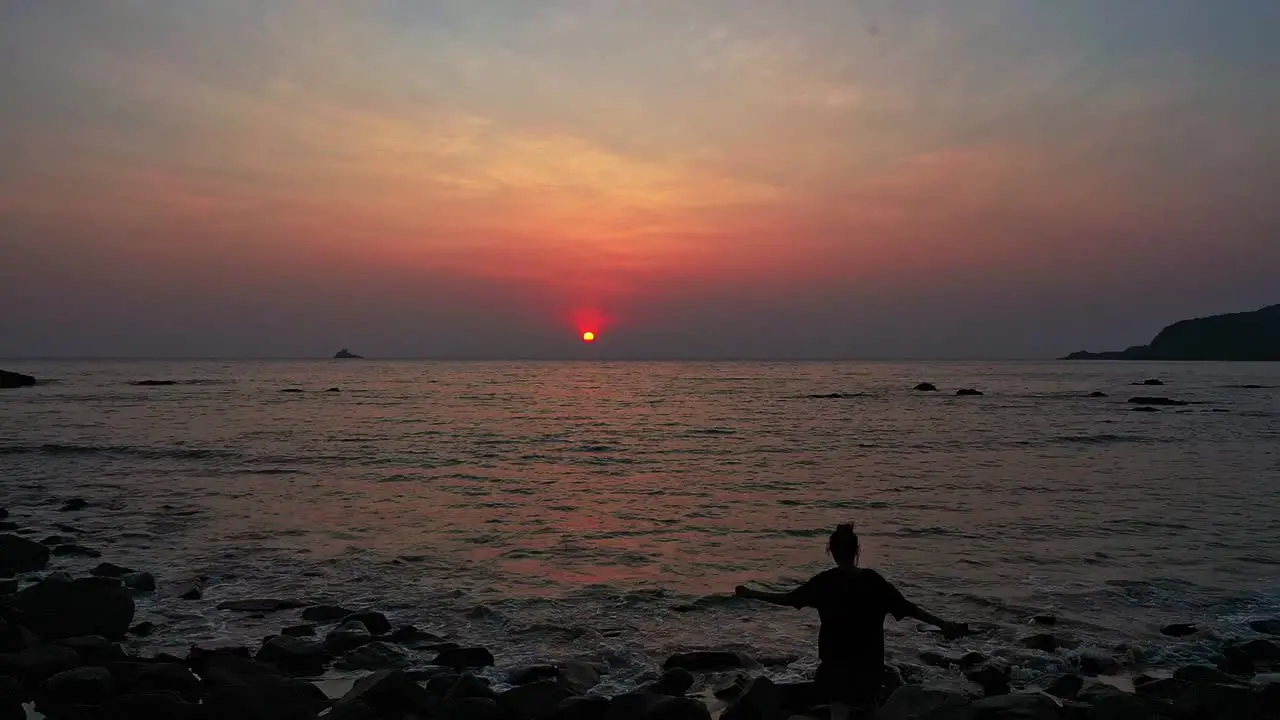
1235, 336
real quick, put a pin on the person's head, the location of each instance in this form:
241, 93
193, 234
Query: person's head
843, 545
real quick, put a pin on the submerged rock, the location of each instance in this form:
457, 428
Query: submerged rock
190, 590
74, 504
926, 387
54, 609
992, 677
1178, 630
1270, 626
139, 582
107, 569
77, 550
1097, 394
154, 383
962, 392
325, 613
19, 554
578, 677
1065, 686
307, 630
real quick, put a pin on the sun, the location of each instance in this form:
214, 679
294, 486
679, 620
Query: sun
588, 337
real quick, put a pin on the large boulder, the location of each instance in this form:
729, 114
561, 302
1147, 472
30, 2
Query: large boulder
910, 702
294, 656
460, 658
535, 701
10, 380
1066, 686
708, 660
347, 636
1034, 706
675, 682
1178, 630
376, 622
377, 656
581, 708
648, 706
578, 677
152, 706
20, 555
993, 677
167, 677
54, 609
761, 700
39, 662
240, 689
391, 693
93, 649
81, 686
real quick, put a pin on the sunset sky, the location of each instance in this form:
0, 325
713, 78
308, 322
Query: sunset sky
688, 178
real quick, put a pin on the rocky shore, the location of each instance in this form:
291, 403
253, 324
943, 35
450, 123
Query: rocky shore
63, 640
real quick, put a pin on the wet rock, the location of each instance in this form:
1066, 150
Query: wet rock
581, 708
352, 711
55, 610
74, 505
347, 637
460, 658
1096, 661
411, 636
55, 540
19, 554
1097, 394
457, 687
39, 662
1016, 707
202, 654
762, 700
240, 689
578, 677
1153, 400
964, 392
675, 682
911, 702
13, 526
12, 695
707, 660
158, 706
63, 527
81, 686
1151, 381
190, 590
375, 622
1065, 686
8, 586
536, 700
478, 708
294, 656
325, 613
110, 570
154, 383
926, 387
1197, 674
1144, 409
1045, 642
376, 656
10, 380
646, 706
1260, 651
299, 631
531, 673
938, 658
1266, 627
93, 649
143, 629
291, 390
391, 693
260, 605
992, 677
169, 677
140, 582
1178, 630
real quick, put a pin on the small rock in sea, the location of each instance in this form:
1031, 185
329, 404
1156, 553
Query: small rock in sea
376, 655
411, 636
708, 660
143, 629
107, 569
531, 673
55, 609
1151, 381
22, 555
1065, 686
375, 622
1259, 651
1044, 620
81, 686
1044, 642
74, 504
466, 685
675, 682
460, 658
1178, 630
1152, 400
992, 677
926, 387
1097, 394
579, 677
1266, 627
826, 396
60, 527
38, 663
962, 392
291, 390
1144, 409
325, 613
972, 658
334, 390
140, 582
260, 605
55, 540
299, 631
77, 550
534, 700
190, 590
348, 636
760, 699
4, 513
1096, 661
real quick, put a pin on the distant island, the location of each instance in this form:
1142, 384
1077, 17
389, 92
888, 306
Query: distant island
1245, 336
345, 354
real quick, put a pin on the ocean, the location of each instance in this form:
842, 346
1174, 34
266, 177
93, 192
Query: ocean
606, 510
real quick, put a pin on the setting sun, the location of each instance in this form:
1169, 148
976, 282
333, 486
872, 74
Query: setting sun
588, 337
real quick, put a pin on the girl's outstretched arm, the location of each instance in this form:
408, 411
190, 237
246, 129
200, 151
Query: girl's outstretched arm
773, 598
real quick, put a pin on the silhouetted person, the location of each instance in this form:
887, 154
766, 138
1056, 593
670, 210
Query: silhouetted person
851, 602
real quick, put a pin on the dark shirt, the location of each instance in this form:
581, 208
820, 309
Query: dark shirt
852, 604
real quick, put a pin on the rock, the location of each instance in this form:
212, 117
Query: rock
325, 613
55, 610
240, 689
535, 701
1016, 707
937, 658
707, 660
13, 526
260, 605
1151, 400
992, 677
345, 354
159, 706
21, 555
581, 708
154, 383
294, 656
826, 396
352, 711
1144, 409
12, 695
190, 590
1201, 674
762, 700
1095, 661
107, 569
391, 693
1266, 627
926, 387
93, 649
54, 540
910, 702
578, 677
8, 586
413, 637
971, 659
675, 682
1045, 642
11, 380
334, 390
140, 582
531, 673
1150, 381
299, 631
477, 708
202, 654
347, 637
74, 504
1097, 394
375, 622
1065, 686
39, 662
462, 686
963, 392
647, 706
1178, 630
376, 656
143, 629
81, 686
169, 677
461, 658
1260, 651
